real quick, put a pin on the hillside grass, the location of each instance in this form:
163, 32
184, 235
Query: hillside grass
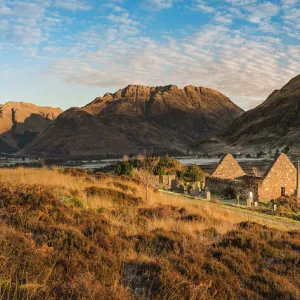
70, 235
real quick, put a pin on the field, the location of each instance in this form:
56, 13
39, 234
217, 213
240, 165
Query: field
69, 235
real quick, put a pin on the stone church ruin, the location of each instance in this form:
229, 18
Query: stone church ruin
230, 181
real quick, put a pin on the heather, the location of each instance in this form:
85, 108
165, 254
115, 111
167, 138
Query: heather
71, 235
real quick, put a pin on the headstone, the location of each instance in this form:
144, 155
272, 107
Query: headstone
255, 204
195, 192
170, 181
203, 186
251, 196
208, 196
249, 202
174, 185
181, 189
206, 190
274, 206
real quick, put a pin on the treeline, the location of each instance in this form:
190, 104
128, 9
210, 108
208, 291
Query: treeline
159, 166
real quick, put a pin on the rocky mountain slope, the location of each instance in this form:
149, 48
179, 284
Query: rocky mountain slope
137, 118
273, 124
21, 122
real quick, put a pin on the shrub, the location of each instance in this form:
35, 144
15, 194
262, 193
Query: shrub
194, 173
124, 168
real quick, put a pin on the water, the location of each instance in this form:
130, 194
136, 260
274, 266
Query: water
207, 164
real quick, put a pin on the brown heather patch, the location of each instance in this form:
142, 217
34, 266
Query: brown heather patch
53, 248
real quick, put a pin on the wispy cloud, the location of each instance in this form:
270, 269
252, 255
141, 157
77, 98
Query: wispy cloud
156, 5
73, 4
245, 49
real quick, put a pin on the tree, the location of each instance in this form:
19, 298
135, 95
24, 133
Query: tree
194, 173
159, 170
1, 111
124, 168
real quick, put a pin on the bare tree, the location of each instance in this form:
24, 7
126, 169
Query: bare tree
146, 171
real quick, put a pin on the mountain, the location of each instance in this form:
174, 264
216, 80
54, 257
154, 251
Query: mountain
21, 122
137, 118
273, 124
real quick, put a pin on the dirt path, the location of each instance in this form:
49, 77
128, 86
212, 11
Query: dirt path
264, 219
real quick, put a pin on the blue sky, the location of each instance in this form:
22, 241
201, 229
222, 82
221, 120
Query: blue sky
67, 52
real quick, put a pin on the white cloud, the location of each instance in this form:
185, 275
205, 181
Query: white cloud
214, 57
72, 4
262, 11
156, 5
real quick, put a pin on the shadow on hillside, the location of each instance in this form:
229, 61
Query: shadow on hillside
22, 133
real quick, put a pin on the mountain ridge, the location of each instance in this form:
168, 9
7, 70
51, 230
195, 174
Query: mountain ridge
273, 124
135, 118
21, 122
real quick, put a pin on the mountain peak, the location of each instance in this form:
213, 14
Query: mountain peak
138, 117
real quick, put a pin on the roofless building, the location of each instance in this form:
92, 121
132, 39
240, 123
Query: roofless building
280, 179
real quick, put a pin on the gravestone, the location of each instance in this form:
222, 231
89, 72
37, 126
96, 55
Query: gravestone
181, 189
170, 181
251, 196
206, 190
174, 185
195, 192
255, 204
249, 202
208, 196
274, 206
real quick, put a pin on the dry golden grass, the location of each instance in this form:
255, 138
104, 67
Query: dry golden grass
66, 184
169, 248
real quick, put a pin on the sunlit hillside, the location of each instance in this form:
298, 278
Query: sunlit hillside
69, 235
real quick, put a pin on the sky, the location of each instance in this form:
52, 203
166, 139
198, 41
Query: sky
65, 53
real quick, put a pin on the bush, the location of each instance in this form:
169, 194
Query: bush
194, 173
124, 168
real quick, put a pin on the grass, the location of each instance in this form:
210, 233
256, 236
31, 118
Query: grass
66, 234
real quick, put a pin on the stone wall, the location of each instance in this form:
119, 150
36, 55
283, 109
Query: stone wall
281, 174
217, 186
228, 168
164, 179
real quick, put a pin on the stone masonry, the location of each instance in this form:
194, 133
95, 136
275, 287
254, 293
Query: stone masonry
281, 176
228, 168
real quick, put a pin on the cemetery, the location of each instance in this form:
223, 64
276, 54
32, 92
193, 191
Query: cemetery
229, 181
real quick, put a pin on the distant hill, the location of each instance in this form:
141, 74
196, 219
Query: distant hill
273, 124
137, 118
21, 122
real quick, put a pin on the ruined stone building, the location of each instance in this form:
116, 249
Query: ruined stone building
280, 179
